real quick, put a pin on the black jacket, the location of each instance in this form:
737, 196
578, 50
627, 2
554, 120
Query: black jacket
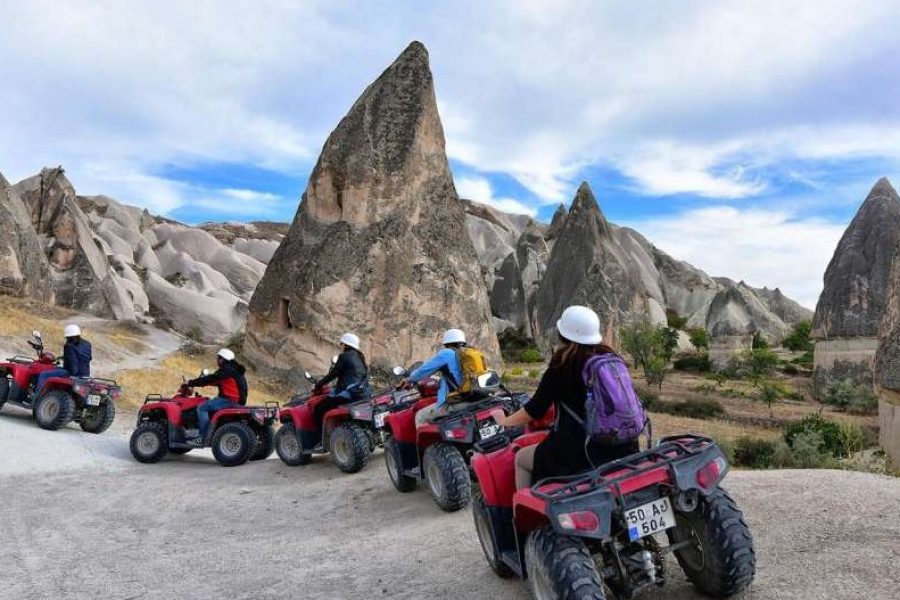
350, 372
230, 380
77, 358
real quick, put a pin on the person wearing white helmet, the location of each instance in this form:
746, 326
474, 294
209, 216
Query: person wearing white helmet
352, 375
77, 355
231, 382
446, 363
565, 451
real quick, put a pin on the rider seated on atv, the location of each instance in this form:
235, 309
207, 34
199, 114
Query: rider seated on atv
352, 376
565, 451
232, 384
76, 359
445, 362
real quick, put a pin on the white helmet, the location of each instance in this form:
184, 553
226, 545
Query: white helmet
454, 336
350, 339
225, 354
581, 325
71, 330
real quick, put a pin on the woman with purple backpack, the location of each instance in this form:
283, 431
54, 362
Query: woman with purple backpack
598, 414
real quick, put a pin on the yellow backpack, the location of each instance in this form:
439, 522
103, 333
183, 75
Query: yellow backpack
476, 376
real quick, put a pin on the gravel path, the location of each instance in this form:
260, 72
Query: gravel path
81, 520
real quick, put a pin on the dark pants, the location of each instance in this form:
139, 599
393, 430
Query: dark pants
332, 401
43, 377
205, 410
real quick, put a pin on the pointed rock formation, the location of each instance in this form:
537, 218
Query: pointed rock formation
557, 222
24, 270
856, 291
379, 244
587, 267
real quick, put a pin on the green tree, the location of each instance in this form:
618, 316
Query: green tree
699, 338
650, 347
769, 392
800, 339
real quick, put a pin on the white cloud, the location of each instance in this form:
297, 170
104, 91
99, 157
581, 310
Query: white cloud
764, 248
479, 189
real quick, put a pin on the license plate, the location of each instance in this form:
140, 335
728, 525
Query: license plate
649, 518
489, 431
379, 419
93, 400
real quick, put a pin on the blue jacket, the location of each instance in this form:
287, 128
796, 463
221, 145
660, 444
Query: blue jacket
447, 363
77, 358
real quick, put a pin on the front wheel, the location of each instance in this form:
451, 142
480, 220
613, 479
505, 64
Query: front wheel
4, 389
349, 448
265, 443
448, 477
97, 419
719, 558
287, 445
403, 483
486, 536
149, 442
233, 444
54, 410
560, 567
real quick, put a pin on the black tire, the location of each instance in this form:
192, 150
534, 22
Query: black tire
721, 561
486, 535
561, 568
287, 445
54, 410
149, 442
233, 443
448, 476
348, 447
97, 419
265, 443
4, 390
403, 483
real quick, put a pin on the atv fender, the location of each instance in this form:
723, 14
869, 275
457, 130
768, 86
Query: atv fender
157, 411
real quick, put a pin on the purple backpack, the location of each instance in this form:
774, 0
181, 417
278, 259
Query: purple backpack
614, 412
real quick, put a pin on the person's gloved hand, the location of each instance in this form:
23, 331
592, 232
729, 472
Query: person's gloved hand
191, 382
403, 383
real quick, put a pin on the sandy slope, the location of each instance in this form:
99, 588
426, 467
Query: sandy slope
80, 520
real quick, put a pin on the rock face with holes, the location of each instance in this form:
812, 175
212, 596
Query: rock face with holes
24, 270
379, 244
857, 287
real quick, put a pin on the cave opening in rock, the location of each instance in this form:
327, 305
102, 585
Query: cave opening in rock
284, 314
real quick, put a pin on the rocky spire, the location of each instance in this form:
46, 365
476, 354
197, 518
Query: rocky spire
556, 223
24, 270
856, 281
379, 244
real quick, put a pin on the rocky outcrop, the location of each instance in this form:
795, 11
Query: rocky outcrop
517, 280
857, 286
557, 222
379, 244
24, 270
886, 368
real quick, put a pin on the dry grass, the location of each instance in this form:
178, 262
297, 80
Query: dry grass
664, 424
166, 377
19, 317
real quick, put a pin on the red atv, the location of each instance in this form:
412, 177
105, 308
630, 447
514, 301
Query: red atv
578, 536
89, 401
235, 435
349, 433
437, 451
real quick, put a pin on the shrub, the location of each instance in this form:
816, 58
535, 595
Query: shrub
531, 355
799, 339
516, 371
852, 439
759, 342
705, 388
847, 396
534, 373
674, 320
829, 431
695, 361
514, 343
754, 453
236, 341
699, 408
649, 399
806, 360
808, 451
699, 338
770, 392
650, 346
790, 369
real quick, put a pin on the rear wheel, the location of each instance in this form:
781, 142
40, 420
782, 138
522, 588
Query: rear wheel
486, 536
560, 568
265, 443
233, 444
4, 389
403, 483
349, 448
149, 442
287, 445
448, 477
54, 410
97, 419
719, 558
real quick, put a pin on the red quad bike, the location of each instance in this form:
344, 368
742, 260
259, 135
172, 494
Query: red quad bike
89, 401
437, 451
236, 434
599, 531
349, 433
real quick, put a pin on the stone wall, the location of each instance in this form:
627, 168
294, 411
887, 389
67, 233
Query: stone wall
843, 358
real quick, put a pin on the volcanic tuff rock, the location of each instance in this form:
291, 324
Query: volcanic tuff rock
24, 270
857, 286
379, 244
887, 367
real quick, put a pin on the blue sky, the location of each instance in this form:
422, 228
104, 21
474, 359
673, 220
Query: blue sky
738, 136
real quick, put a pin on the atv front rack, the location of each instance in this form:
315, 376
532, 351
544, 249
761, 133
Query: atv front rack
665, 454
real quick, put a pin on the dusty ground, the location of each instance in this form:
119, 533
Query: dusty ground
80, 520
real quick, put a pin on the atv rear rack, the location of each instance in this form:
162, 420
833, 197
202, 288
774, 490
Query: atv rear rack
665, 454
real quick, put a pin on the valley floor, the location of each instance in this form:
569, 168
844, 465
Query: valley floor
81, 520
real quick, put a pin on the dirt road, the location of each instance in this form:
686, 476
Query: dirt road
80, 520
